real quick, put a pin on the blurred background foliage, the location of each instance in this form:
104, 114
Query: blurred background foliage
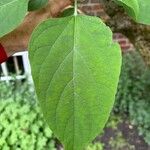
133, 97
22, 126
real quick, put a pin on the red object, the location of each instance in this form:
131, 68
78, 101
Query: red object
3, 55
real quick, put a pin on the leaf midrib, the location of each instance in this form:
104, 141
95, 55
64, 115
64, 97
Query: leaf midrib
74, 48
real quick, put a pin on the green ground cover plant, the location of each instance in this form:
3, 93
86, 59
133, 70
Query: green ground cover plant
22, 127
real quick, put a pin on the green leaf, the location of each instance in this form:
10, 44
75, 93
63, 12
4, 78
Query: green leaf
75, 68
67, 12
12, 13
36, 4
144, 12
131, 6
139, 10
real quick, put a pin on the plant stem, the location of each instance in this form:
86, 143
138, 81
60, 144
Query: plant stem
75, 7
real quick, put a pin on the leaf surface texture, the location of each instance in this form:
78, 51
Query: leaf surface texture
75, 68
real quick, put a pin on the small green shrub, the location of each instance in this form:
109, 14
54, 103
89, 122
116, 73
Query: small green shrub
95, 146
119, 143
131, 82
140, 116
133, 97
22, 128
113, 122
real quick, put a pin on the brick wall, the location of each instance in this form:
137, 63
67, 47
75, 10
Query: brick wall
123, 41
94, 8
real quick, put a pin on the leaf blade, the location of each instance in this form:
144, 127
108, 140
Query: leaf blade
70, 90
144, 16
139, 10
36, 4
12, 14
131, 6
